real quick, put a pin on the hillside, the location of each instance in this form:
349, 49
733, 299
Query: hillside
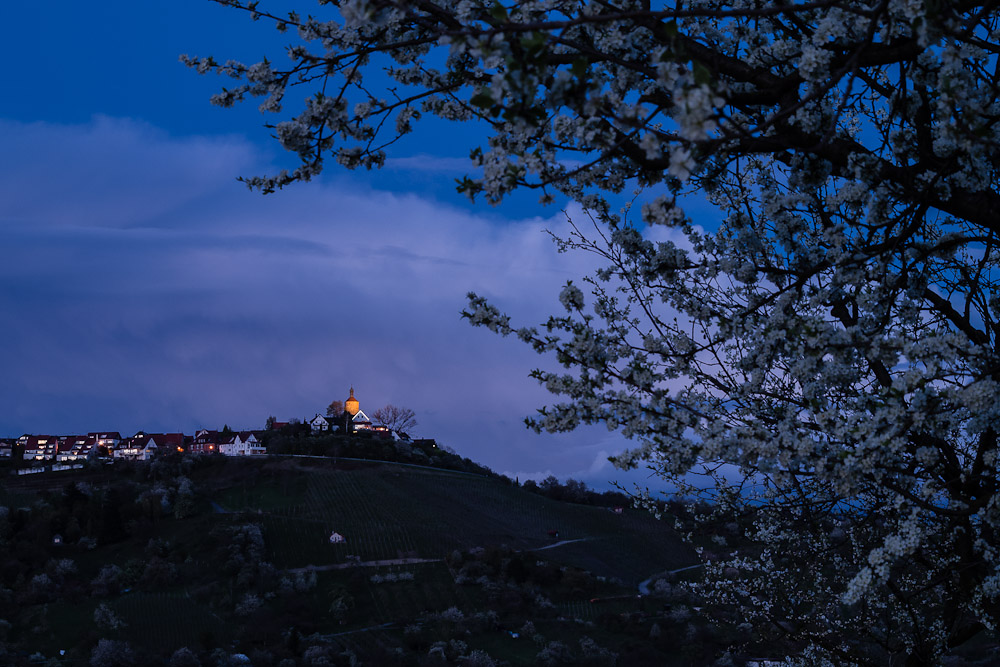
387, 511
228, 556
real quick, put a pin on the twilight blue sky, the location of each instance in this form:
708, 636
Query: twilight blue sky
143, 287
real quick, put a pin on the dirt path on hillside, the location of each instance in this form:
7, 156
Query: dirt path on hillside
405, 561
644, 585
363, 563
560, 543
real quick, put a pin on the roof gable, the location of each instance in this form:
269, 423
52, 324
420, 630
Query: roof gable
169, 439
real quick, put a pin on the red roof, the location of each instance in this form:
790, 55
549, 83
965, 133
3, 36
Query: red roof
138, 441
206, 436
168, 439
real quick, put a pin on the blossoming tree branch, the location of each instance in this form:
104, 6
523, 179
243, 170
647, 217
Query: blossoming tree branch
826, 352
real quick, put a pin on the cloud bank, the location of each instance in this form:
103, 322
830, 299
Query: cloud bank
144, 288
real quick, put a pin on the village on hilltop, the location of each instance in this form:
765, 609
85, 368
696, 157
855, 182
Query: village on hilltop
39, 452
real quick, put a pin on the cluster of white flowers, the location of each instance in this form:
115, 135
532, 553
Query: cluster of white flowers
391, 577
571, 297
681, 163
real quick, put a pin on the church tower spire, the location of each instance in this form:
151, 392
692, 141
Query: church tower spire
351, 405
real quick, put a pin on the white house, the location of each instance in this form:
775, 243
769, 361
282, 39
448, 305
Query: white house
244, 443
361, 422
251, 445
140, 447
319, 424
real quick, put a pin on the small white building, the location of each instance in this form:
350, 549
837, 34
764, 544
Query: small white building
319, 424
361, 422
244, 443
140, 447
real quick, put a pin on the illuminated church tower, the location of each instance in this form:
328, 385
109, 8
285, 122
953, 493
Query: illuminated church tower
355, 418
351, 405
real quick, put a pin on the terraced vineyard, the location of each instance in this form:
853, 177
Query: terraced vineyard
388, 512
410, 575
166, 621
432, 589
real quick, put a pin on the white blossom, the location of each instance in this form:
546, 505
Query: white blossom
681, 163
823, 351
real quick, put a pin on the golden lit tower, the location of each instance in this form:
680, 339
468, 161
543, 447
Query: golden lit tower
351, 405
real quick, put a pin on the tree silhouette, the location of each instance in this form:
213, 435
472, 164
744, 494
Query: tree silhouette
396, 418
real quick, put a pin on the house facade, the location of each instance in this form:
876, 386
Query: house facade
361, 422
170, 442
244, 443
76, 448
140, 447
206, 442
107, 441
249, 445
39, 447
320, 424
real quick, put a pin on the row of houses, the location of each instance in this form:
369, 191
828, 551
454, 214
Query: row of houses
140, 447
143, 446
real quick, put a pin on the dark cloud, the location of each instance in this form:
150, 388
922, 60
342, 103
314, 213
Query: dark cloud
108, 173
